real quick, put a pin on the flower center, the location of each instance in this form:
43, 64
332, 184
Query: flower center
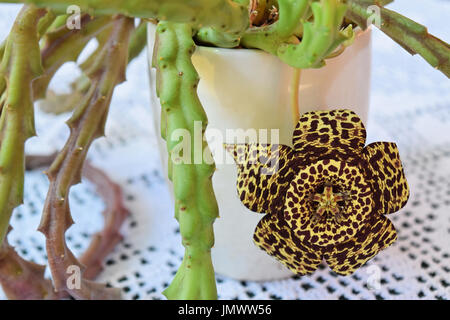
328, 202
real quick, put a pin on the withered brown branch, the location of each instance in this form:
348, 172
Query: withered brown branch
115, 213
86, 124
24, 280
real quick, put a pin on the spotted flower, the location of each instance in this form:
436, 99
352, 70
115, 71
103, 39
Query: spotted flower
326, 198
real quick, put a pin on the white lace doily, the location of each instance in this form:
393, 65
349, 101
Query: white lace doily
410, 105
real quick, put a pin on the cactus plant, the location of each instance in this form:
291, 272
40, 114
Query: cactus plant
301, 33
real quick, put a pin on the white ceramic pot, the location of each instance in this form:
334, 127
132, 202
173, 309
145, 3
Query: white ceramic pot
250, 89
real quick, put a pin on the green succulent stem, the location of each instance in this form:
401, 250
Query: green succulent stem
60, 103
45, 22
62, 45
43, 25
195, 203
21, 64
269, 38
59, 21
225, 15
319, 38
138, 41
412, 36
212, 36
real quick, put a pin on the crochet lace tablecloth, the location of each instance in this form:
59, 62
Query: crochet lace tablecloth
410, 104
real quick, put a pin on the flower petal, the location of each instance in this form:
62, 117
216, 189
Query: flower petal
274, 236
299, 209
347, 257
264, 173
337, 134
385, 171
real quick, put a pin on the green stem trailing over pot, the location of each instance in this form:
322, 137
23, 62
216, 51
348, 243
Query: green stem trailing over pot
225, 15
196, 211
319, 38
412, 36
106, 70
21, 64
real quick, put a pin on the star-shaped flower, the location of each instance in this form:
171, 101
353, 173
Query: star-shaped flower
327, 197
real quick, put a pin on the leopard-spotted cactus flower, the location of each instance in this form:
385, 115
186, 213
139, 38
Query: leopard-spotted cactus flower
325, 198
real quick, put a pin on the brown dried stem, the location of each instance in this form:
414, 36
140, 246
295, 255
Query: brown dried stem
22, 279
115, 213
86, 124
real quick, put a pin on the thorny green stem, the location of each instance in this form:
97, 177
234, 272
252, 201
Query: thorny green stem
196, 211
42, 27
60, 103
319, 38
413, 37
225, 15
21, 64
59, 21
63, 45
45, 22
86, 124
138, 41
